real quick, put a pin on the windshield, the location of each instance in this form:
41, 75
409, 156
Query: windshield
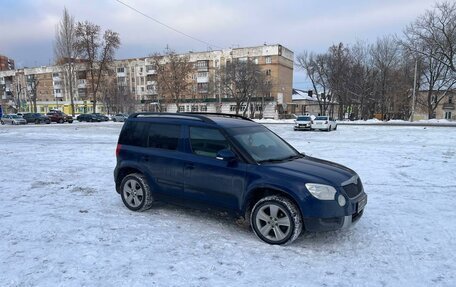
321, 118
15, 116
303, 119
262, 144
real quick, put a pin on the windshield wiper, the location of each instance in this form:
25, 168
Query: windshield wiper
292, 157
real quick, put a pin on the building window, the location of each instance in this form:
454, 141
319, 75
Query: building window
181, 109
58, 91
142, 80
202, 74
194, 108
57, 83
149, 68
268, 72
55, 75
141, 69
255, 60
121, 70
142, 89
82, 75
121, 79
450, 99
202, 64
268, 60
133, 89
203, 108
216, 63
448, 115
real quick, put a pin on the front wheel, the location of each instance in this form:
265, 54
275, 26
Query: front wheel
61, 121
2, 122
276, 220
135, 192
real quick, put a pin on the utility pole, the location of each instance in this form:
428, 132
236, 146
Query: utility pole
414, 91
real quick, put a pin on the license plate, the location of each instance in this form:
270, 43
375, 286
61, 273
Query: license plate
361, 204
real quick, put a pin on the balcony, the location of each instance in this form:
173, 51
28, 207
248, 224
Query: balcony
81, 83
202, 79
448, 106
151, 72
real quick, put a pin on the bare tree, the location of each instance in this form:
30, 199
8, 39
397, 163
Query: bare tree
433, 34
97, 53
66, 53
174, 76
242, 80
316, 67
32, 87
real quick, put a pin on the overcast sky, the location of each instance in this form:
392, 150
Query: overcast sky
27, 27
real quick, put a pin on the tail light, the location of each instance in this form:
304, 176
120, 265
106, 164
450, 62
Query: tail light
326, 122
119, 146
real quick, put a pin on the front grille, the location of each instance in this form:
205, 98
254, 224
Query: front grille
353, 189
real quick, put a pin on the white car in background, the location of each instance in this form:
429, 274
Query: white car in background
119, 117
324, 123
303, 123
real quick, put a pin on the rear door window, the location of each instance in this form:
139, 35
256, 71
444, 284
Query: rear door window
163, 136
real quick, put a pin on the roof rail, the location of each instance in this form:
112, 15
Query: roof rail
197, 116
170, 115
221, 115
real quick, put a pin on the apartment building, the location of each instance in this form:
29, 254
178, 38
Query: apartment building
136, 79
6, 63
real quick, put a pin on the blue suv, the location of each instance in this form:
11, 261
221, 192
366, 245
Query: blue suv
234, 164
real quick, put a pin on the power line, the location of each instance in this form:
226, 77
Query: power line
167, 26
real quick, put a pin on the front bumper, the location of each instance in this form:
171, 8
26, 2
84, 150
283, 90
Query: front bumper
314, 224
300, 127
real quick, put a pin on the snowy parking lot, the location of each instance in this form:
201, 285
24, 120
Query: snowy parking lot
63, 224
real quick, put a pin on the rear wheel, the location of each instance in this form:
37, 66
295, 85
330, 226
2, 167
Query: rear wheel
135, 192
276, 220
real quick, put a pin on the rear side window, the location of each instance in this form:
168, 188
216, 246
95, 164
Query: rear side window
133, 134
151, 135
207, 141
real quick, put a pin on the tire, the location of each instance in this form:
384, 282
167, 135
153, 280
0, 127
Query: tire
276, 220
2, 122
135, 192
61, 121
37, 122
48, 122
335, 128
114, 120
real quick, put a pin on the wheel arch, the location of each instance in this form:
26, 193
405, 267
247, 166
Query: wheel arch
124, 171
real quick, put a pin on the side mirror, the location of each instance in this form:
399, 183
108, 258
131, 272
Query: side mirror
226, 155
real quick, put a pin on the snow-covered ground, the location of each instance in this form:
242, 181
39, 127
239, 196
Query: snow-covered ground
63, 224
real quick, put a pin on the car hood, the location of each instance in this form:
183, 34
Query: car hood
312, 169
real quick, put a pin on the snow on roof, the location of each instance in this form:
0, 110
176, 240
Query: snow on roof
300, 95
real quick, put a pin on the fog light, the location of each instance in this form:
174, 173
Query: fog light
341, 200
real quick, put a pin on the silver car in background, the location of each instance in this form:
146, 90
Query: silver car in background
13, 119
324, 123
119, 117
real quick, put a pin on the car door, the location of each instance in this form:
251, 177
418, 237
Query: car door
209, 180
161, 156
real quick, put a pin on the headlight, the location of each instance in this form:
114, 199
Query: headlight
321, 191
